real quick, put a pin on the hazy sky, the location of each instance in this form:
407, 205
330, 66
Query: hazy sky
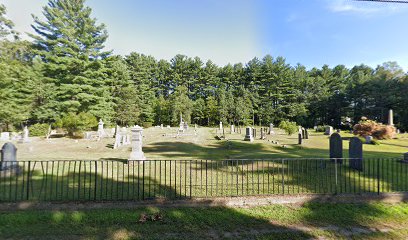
310, 32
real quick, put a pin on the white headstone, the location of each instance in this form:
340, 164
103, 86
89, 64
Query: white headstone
232, 128
390, 118
123, 134
161, 126
101, 131
368, 139
271, 129
25, 135
5, 136
137, 143
117, 140
328, 130
220, 125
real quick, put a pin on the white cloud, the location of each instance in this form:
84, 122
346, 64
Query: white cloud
364, 8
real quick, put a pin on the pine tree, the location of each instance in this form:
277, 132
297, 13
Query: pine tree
70, 44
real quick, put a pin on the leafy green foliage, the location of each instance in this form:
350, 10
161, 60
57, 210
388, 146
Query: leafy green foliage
77, 123
289, 127
66, 70
39, 129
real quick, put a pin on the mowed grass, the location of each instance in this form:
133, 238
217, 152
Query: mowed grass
210, 174
162, 144
309, 221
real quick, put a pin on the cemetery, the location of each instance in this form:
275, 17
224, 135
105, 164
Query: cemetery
282, 121
158, 162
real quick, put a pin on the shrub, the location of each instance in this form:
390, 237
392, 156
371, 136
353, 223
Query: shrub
39, 129
147, 124
371, 128
289, 127
321, 128
75, 124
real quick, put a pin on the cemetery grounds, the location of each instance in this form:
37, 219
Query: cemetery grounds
218, 169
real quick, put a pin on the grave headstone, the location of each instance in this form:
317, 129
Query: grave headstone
248, 134
328, 130
405, 157
220, 125
390, 118
232, 128
8, 157
336, 147
262, 134
306, 134
24, 137
117, 140
123, 134
254, 132
270, 129
101, 131
368, 139
5, 136
300, 138
137, 143
303, 133
356, 153
161, 126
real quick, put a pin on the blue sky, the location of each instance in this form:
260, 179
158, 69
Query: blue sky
310, 32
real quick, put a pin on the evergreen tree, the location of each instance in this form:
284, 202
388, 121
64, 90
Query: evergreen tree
70, 43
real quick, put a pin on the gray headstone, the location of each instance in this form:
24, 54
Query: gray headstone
300, 138
232, 130
368, 139
248, 134
306, 134
356, 153
406, 157
336, 147
262, 134
8, 157
303, 133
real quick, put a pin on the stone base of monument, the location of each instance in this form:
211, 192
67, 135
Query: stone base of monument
249, 138
137, 156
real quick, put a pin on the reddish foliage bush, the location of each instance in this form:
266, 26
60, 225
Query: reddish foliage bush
371, 128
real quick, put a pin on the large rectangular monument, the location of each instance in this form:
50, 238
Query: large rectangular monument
137, 143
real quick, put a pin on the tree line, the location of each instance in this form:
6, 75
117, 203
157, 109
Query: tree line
65, 69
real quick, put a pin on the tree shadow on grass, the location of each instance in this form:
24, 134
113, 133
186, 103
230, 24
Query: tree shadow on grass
127, 184
111, 223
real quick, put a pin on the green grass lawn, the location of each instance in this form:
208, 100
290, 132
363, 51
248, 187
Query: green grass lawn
162, 144
211, 175
310, 221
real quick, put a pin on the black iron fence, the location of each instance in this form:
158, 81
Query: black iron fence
103, 180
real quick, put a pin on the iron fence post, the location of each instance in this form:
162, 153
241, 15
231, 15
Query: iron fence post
283, 178
335, 175
28, 180
378, 177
